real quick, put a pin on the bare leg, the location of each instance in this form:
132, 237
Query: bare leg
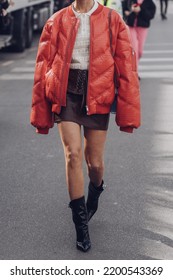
94, 143
71, 139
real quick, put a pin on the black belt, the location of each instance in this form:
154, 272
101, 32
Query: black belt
77, 81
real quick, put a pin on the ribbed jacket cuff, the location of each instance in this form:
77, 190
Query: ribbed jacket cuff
42, 130
127, 129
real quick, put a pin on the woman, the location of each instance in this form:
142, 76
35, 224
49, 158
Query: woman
138, 14
74, 87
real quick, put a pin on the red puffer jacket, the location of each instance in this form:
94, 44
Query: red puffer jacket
53, 62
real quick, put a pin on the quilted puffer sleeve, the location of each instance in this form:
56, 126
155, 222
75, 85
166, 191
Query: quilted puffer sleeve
128, 100
41, 115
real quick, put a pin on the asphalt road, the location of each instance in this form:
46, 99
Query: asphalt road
134, 220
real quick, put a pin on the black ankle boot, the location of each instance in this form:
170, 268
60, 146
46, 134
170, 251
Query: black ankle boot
93, 198
80, 219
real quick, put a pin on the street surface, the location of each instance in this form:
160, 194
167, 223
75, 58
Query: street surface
135, 216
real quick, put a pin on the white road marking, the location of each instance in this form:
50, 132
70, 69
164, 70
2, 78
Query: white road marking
157, 67
159, 44
156, 74
13, 77
156, 59
9, 62
157, 51
30, 61
23, 69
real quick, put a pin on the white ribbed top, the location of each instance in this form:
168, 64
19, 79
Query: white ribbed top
80, 55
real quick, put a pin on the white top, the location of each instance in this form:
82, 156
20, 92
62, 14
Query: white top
80, 55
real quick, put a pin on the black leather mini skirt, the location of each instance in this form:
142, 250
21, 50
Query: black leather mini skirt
75, 110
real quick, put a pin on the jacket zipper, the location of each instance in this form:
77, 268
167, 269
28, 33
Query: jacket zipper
69, 47
90, 56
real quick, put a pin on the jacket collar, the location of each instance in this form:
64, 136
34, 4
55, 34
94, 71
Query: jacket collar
97, 11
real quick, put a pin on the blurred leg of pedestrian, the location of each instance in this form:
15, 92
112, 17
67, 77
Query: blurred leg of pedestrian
138, 38
142, 36
163, 8
134, 40
166, 7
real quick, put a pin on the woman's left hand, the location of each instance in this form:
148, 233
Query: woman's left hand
136, 8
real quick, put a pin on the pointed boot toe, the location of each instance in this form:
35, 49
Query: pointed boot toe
83, 246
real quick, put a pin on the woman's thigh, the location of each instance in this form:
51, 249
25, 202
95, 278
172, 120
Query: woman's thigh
70, 134
94, 143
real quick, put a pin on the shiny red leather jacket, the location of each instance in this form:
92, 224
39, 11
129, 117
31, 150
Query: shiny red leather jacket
53, 62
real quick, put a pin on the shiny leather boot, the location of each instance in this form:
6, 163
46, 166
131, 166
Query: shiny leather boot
80, 219
93, 198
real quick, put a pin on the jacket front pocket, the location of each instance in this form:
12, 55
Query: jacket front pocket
107, 97
50, 85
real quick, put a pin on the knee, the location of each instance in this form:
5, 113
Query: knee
74, 158
95, 167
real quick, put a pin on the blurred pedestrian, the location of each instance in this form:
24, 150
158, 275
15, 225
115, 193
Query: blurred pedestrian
113, 4
5, 18
60, 4
67, 3
163, 8
4, 4
80, 48
138, 14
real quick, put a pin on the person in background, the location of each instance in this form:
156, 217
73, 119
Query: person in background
163, 8
60, 4
138, 14
5, 18
67, 3
113, 4
4, 4
75, 88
